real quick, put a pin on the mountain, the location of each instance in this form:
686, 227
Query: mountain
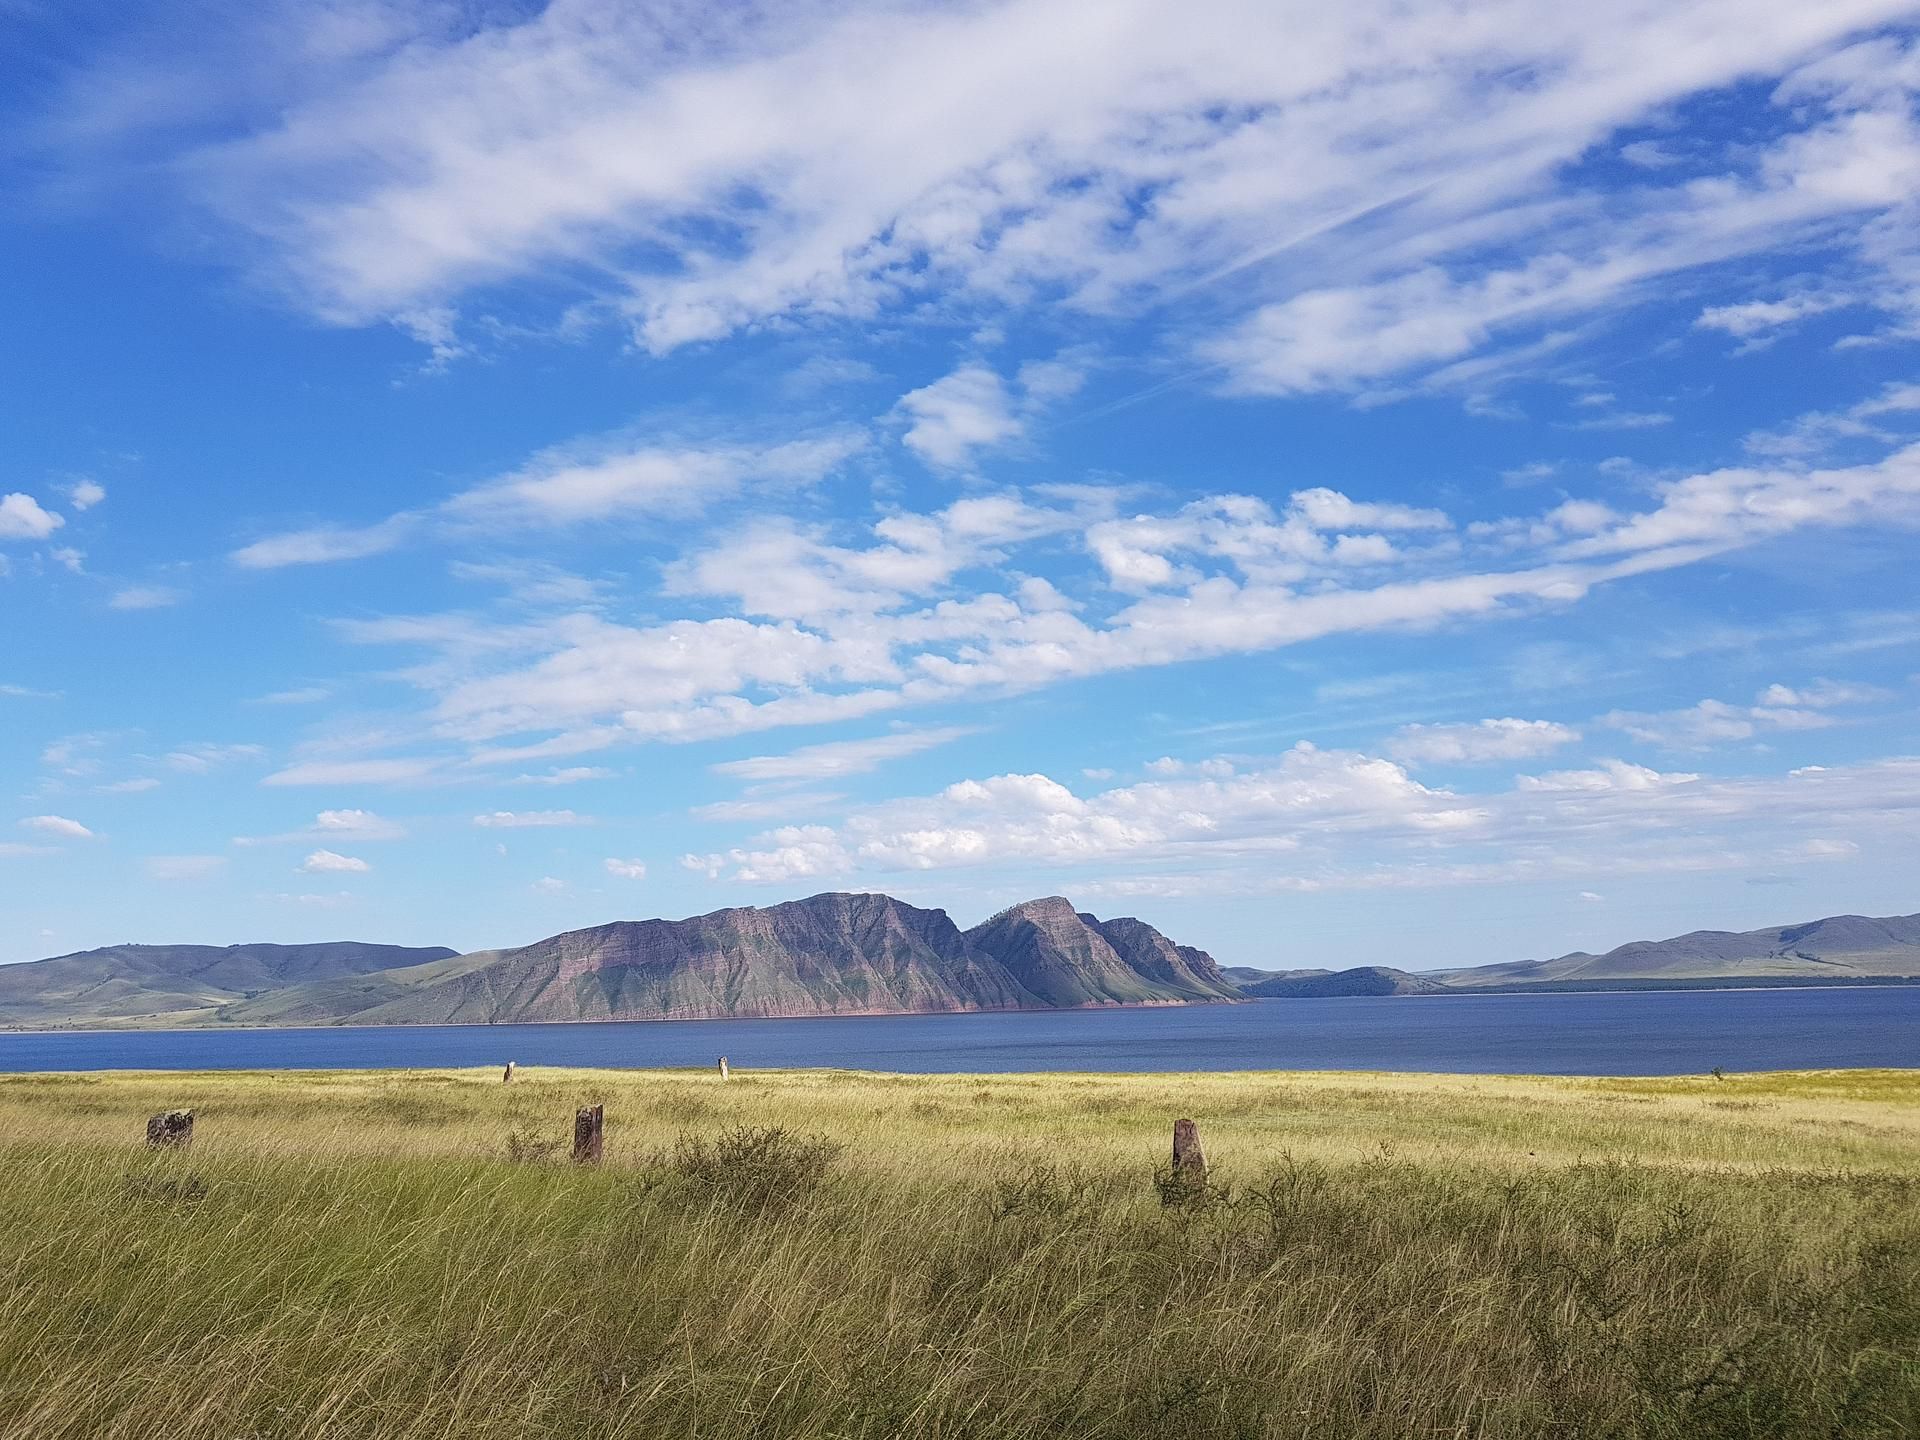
1363, 980
161, 983
1068, 958
1841, 946
827, 955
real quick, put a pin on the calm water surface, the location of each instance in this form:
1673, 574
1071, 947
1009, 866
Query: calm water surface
1623, 1034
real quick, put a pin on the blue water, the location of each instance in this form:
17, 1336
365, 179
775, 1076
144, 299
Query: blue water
1647, 1033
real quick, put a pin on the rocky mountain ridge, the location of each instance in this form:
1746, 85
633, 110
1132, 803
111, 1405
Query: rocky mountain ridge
832, 954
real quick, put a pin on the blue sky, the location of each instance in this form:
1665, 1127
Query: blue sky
1350, 484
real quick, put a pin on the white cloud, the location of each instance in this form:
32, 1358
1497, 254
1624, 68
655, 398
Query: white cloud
334, 826
1818, 432
1486, 740
938, 606
953, 417
1612, 777
836, 758
324, 544
550, 885
305, 695
1715, 722
353, 772
328, 862
529, 819
134, 786
1337, 167
360, 824
1754, 318
627, 869
570, 485
1334, 820
21, 518
58, 825
145, 597
73, 561
183, 867
85, 494
568, 775
198, 759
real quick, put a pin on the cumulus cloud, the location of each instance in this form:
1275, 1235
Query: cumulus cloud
85, 494
1315, 819
953, 417
626, 869
329, 862
22, 518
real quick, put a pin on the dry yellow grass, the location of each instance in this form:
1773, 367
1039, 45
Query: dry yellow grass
357, 1254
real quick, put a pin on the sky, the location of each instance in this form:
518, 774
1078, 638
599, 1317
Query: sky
1387, 483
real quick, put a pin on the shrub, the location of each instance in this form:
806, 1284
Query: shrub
752, 1168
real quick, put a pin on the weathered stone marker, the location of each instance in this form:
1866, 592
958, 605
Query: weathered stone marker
723, 1067
1188, 1160
587, 1140
170, 1130
509, 1075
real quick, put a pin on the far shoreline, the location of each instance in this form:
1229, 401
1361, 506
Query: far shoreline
1679, 986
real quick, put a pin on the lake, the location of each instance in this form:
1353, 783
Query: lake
1643, 1033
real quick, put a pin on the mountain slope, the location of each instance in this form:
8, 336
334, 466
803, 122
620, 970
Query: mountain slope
1070, 959
1839, 946
146, 982
827, 955
830, 954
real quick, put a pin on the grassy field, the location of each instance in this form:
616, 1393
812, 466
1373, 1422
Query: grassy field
827, 1254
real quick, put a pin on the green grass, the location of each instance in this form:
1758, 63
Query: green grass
357, 1255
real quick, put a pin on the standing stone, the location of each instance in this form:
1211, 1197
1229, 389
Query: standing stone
1187, 1157
587, 1139
509, 1075
723, 1067
170, 1130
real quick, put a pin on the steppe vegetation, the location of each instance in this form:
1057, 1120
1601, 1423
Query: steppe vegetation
821, 1254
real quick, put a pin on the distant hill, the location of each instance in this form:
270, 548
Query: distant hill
1842, 946
1363, 980
1246, 975
832, 954
156, 983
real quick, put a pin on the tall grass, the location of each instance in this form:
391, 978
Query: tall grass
818, 1254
